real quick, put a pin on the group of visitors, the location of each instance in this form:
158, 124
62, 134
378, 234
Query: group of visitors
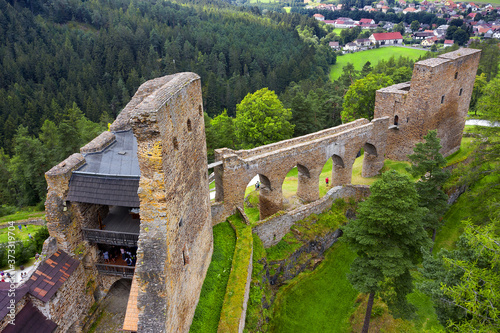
112, 255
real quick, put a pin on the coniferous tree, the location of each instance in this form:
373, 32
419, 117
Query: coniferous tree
387, 236
427, 163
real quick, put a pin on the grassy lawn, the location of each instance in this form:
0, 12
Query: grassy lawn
319, 301
23, 215
466, 148
337, 31
358, 59
21, 235
206, 317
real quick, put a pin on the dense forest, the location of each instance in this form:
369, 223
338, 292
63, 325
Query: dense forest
96, 54
68, 67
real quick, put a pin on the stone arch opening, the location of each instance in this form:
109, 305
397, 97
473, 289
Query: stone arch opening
332, 174
291, 184
372, 161
338, 161
396, 120
251, 202
304, 171
370, 149
115, 302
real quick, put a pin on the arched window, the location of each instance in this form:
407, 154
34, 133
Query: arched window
396, 120
189, 125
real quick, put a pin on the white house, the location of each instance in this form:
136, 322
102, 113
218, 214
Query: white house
387, 38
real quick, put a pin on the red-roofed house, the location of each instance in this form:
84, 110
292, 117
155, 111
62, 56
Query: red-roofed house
472, 15
448, 42
409, 10
334, 45
367, 21
319, 17
387, 38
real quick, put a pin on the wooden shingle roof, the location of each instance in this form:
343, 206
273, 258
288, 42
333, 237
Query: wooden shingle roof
112, 191
29, 319
5, 298
51, 275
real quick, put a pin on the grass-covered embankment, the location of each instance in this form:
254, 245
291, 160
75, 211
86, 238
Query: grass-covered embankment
232, 308
318, 301
206, 317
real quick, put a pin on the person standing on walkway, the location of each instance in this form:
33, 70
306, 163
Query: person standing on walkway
326, 181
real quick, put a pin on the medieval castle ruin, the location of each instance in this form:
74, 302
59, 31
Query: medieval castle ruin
143, 186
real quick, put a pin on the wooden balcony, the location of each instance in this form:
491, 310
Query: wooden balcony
116, 270
117, 238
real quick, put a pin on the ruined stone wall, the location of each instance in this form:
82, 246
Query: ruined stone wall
309, 156
437, 97
70, 304
175, 243
272, 230
57, 212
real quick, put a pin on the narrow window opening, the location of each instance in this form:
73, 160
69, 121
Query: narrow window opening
189, 125
456, 75
185, 256
442, 99
396, 120
176, 144
460, 93
200, 110
408, 119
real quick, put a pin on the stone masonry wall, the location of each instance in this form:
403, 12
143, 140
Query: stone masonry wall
309, 156
272, 230
437, 97
175, 242
69, 305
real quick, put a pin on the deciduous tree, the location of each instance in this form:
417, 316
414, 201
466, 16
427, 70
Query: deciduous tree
359, 101
261, 119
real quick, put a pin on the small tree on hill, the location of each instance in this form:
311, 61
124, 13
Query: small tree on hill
261, 119
387, 236
427, 163
359, 101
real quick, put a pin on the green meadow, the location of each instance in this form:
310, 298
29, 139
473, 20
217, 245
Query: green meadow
358, 59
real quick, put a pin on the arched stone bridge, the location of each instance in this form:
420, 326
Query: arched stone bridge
437, 98
309, 154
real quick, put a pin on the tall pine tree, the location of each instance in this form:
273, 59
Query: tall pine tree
427, 163
387, 236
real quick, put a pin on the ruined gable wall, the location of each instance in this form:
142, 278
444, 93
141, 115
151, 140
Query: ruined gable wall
175, 244
420, 109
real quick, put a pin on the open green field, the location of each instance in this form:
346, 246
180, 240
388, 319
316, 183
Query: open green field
358, 59
22, 215
493, 2
337, 31
320, 301
19, 234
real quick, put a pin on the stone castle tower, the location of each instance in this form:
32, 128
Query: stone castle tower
437, 97
175, 243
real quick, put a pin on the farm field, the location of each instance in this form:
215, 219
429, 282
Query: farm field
358, 59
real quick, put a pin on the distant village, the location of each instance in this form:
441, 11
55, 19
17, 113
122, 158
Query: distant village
473, 18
